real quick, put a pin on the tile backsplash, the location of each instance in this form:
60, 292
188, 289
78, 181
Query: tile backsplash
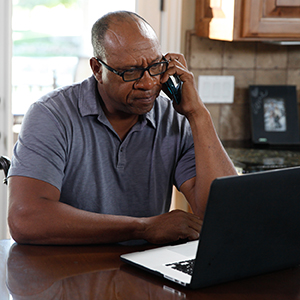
251, 63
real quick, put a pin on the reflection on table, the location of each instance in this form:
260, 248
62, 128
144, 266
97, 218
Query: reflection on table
96, 272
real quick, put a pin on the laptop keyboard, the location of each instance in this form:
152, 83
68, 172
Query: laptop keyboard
185, 266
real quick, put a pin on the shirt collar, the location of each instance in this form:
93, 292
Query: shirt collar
150, 117
89, 103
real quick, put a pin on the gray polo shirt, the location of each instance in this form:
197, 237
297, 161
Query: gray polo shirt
67, 141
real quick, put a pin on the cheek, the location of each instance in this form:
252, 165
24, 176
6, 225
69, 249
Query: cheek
122, 93
116, 88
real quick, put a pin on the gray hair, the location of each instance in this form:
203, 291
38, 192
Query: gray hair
101, 26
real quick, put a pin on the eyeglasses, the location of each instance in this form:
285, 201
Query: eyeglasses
137, 73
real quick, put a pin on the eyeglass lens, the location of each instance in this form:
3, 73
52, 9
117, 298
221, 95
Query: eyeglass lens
155, 69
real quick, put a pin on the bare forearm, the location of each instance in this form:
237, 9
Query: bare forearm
211, 159
58, 223
37, 217
73, 226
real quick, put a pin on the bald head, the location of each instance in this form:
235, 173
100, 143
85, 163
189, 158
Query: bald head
119, 27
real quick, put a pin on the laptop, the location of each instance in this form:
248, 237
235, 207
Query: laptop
251, 226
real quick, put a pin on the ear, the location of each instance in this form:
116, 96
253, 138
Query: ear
96, 68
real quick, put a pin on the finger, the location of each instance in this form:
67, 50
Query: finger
174, 68
171, 56
176, 57
195, 226
195, 218
194, 235
195, 223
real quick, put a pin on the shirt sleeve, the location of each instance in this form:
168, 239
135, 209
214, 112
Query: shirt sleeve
40, 151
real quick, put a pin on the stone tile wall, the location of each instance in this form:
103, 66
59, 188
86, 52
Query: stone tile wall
250, 63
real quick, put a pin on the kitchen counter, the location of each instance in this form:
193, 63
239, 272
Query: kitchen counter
249, 158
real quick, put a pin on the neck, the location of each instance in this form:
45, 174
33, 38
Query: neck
122, 126
121, 122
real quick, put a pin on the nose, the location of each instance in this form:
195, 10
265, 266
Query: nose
146, 82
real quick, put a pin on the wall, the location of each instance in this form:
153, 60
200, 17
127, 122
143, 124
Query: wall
250, 63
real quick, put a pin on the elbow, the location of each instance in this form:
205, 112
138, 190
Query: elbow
19, 226
18, 236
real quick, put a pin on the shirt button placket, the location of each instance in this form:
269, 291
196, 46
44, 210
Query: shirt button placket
121, 157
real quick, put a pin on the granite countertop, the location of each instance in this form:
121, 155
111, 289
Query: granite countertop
251, 159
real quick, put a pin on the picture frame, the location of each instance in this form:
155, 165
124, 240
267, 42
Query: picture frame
274, 114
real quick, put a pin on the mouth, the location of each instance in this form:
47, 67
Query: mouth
142, 104
146, 98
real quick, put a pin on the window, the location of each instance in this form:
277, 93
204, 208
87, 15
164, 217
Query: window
51, 38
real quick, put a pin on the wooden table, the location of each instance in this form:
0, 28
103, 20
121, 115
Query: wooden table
96, 272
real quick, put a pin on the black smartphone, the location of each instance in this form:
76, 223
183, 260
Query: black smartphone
172, 88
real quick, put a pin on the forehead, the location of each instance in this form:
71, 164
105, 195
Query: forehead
133, 41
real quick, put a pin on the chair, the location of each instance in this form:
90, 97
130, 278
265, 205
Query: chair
4, 165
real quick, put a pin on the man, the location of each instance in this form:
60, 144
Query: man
95, 162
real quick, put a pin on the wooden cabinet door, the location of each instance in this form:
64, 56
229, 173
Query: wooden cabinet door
215, 19
255, 20
271, 19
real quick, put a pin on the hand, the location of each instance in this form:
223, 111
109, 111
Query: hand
191, 102
171, 227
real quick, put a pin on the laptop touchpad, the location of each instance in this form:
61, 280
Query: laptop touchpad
187, 249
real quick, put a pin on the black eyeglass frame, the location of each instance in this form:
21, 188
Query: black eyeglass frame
142, 69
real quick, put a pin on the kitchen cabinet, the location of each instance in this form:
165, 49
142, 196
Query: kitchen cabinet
248, 20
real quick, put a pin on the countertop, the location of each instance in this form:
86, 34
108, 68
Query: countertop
250, 158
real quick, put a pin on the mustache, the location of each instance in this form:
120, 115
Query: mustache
147, 94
